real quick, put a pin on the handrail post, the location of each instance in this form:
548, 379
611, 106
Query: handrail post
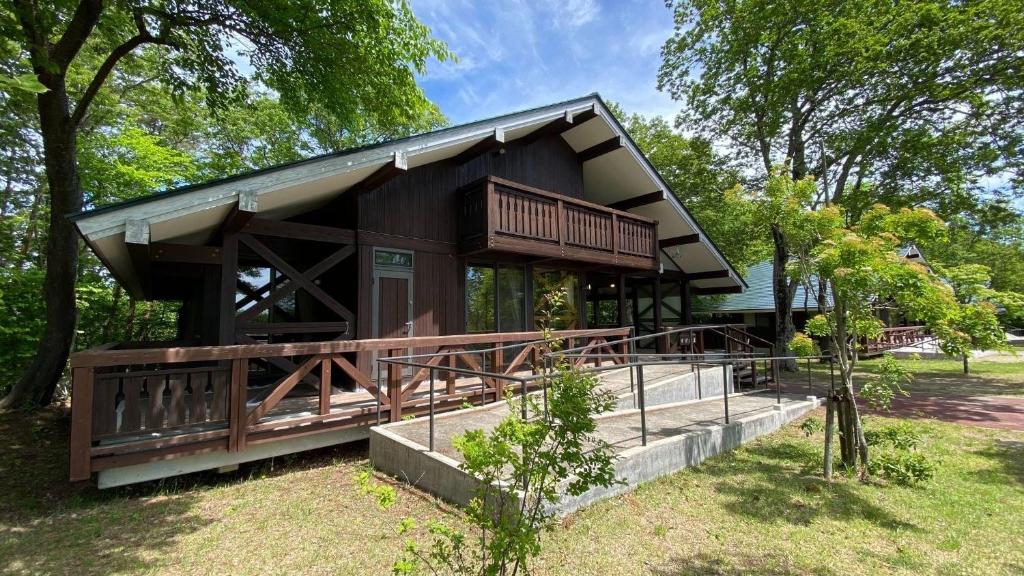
810, 389
379, 383
394, 389
643, 406
431, 409
239, 396
522, 396
80, 448
778, 382
725, 388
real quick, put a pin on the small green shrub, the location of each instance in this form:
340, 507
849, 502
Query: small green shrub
887, 382
385, 495
902, 467
900, 436
804, 345
811, 426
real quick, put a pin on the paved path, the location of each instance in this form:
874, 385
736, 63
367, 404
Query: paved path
986, 411
621, 429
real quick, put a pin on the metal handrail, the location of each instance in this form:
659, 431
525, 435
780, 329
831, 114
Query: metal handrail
636, 363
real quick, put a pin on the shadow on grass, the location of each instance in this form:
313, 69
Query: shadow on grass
737, 563
51, 526
1008, 457
773, 481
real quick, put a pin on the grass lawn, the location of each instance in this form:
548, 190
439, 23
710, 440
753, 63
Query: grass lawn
760, 509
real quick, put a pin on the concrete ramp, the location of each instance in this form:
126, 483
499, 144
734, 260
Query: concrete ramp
679, 434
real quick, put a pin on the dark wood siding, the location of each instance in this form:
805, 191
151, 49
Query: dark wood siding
423, 203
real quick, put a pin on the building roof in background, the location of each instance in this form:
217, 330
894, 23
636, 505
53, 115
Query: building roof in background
759, 297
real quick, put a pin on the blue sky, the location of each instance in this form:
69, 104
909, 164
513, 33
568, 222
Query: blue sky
515, 54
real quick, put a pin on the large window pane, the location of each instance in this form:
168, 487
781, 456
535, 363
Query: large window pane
563, 309
511, 299
480, 299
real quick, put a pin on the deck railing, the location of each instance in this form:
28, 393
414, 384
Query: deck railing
895, 337
500, 214
141, 405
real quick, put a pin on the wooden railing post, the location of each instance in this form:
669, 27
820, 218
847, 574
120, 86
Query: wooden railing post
239, 395
450, 378
80, 448
497, 359
395, 388
325, 385
561, 225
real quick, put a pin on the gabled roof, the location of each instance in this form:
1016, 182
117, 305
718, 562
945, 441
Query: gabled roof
760, 296
190, 214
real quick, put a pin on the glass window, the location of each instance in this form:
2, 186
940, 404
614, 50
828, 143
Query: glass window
555, 294
511, 299
480, 299
389, 258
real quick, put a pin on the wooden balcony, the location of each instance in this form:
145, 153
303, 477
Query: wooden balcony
500, 215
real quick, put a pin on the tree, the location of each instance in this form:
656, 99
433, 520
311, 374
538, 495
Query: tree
976, 325
544, 446
878, 100
703, 181
860, 266
356, 60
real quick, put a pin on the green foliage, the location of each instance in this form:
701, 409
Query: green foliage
888, 381
704, 182
804, 345
385, 495
523, 466
896, 457
900, 436
811, 426
903, 467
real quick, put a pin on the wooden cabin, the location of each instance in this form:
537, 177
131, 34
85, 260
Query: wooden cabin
438, 241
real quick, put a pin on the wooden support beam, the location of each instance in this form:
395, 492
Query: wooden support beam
489, 144
80, 460
687, 303
600, 149
679, 240
240, 214
398, 164
136, 241
620, 285
299, 231
585, 115
660, 344
185, 254
638, 201
556, 126
707, 275
716, 290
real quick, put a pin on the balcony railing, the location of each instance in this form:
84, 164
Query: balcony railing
501, 215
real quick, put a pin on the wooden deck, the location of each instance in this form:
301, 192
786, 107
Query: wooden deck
136, 406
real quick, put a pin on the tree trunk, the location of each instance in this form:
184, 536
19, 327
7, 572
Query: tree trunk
967, 367
784, 291
830, 417
37, 384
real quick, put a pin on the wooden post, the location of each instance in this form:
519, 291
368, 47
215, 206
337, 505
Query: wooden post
395, 388
450, 378
238, 419
686, 297
228, 285
621, 285
497, 359
325, 386
80, 448
656, 300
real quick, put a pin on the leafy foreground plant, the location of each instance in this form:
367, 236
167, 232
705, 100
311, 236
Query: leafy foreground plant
524, 465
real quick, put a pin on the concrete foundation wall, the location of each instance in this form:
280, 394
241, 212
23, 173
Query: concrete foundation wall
680, 388
440, 475
645, 463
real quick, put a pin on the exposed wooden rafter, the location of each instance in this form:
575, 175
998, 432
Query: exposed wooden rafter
556, 126
136, 241
716, 290
240, 213
600, 149
638, 201
184, 254
679, 240
398, 164
707, 275
489, 144
585, 115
